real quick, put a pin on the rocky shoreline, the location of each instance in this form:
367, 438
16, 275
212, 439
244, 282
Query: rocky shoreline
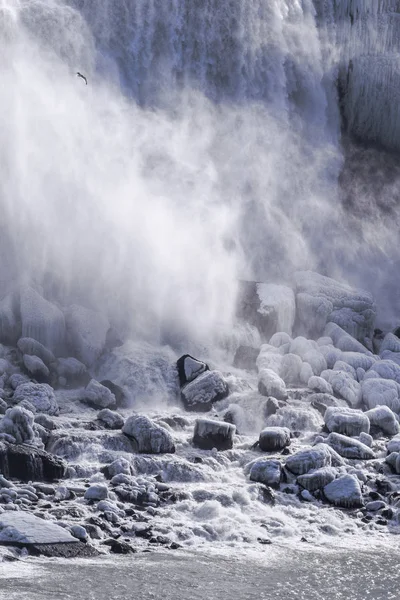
119, 447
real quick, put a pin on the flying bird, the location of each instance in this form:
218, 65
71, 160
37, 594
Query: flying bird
82, 76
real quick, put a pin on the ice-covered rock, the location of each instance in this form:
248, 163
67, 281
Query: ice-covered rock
290, 368
73, 371
270, 384
319, 385
18, 422
340, 365
346, 420
306, 373
345, 491
40, 395
320, 299
381, 417
344, 385
97, 491
269, 307
245, 358
28, 463
86, 332
390, 342
79, 532
380, 392
111, 418
385, 369
119, 466
98, 396
366, 438
296, 418
394, 444
331, 355
375, 505
358, 360
343, 341
42, 320
317, 479
34, 348
36, 367
269, 357
316, 360
210, 434
280, 339
149, 437
189, 368
349, 447
268, 472
24, 528
274, 438
309, 459
201, 393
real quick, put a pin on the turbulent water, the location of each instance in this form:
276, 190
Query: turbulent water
206, 147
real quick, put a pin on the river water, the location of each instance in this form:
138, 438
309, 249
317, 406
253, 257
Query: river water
279, 573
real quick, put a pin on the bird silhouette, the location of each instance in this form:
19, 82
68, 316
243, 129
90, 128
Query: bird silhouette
82, 76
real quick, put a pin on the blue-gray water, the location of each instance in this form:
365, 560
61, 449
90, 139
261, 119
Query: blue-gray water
281, 574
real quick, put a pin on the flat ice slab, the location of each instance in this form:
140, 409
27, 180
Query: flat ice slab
24, 528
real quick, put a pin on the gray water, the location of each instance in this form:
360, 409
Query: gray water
280, 573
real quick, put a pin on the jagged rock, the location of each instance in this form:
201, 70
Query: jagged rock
344, 491
27, 463
98, 396
34, 348
346, 420
310, 459
384, 419
18, 423
280, 339
317, 479
40, 395
268, 472
269, 307
210, 434
87, 333
380, 392
36, 367
42, 320
149, 437
270, 384
394, 444
245, 358
189, 368
111, 419
274, 438
207, 388
348, 447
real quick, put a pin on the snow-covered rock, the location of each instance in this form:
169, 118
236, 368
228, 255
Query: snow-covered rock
390, 342
357, 360
246, 357
98, 396
380, 392
189, 368
269, 357
119, 466
317, 479
381, 417
343, 384
42, 320
274, 438
320, 299
210, 434
394, 444
349, 447
40, 395
340, 365
86, 332
111, 418
280, 339
270, 384
309, 459
343, 341
296, 418
73, 370
344, 491
97, 491
36, 367
385, 369
201, 393
18, 423
24, 528
306, 373
290, 368
268, 472
35, 348
346, 420
319, 385
149, 437
331, 355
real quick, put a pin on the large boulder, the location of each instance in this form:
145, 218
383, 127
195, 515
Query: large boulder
210, 434
98, 396
273, 439
344, 341
27, 529
18, 423
73, 371
381, 392
27, 463
344, 385
346, 420
149, 437
34, 348
268, 472
86, 332
310, 459
189, 368
111, 419
201, 393
344, 491
320, 300
36, 367
317, 479
270, 384
384, 419
269, 307
39, 395
349, 447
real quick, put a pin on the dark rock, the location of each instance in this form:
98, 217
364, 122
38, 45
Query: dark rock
387, 513
210, 434
189, 368
268, 495
118, 392
174, 546
265, 541
27, 463
245, 358
381, 522
66, 550
375, 496
207, 388
119, 547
